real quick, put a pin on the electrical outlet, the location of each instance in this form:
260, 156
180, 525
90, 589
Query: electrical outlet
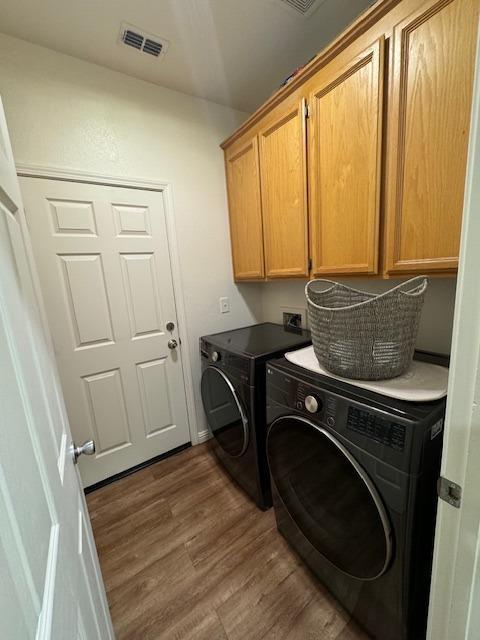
298, 314
292, 321
224, 305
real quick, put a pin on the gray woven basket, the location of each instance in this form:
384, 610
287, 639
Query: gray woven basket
361, 335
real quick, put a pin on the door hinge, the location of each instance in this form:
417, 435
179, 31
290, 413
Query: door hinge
309, 264
449, 491
306, 111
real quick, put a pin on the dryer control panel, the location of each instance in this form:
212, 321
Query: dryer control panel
368, 424
298, 395
334, 411
229, 362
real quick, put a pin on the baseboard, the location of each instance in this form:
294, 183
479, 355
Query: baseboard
203, 436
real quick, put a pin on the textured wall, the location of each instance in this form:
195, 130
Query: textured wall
71, 114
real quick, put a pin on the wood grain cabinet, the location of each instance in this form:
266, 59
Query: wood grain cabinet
433, 53
283, 171
372, 182
244, 203
344, 156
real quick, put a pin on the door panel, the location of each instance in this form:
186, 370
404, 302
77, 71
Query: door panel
108, 412
344, 164
245, 211
141, 290
83, 281
153, 384
429, 116
104, 265
43, 591
284, 191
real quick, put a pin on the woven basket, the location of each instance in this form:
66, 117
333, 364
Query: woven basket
363, 335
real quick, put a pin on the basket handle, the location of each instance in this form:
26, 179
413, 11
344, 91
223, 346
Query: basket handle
415, 290
321, 280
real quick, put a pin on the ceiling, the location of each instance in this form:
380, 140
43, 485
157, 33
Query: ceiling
233, 52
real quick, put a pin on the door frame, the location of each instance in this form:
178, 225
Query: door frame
456, 564
48, 172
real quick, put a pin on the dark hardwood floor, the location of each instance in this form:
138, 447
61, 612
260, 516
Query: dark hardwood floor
186, 555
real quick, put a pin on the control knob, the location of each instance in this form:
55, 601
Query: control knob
312, 405
215, 356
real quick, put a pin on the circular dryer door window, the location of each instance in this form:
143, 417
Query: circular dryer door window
330, 497
225, 415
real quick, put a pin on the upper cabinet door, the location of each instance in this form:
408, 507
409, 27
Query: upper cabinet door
429, 116
284, 191
243, 183
344, 155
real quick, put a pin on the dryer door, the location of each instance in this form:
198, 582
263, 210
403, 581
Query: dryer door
330, 497
225, 415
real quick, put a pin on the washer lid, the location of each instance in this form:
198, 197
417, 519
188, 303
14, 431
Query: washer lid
330, 497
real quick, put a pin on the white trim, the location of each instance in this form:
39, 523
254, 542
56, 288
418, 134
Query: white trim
73, 175
181, 315
203, 436
453, 609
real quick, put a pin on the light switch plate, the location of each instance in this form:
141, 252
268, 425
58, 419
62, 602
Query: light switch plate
224, 305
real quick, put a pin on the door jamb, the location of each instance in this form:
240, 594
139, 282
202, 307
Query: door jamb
72, 175
456, 562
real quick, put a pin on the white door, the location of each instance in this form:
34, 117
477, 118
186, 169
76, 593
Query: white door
50, 582
103, 260
455, 596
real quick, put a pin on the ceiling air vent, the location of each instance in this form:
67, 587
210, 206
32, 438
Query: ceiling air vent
152, 47
133, 39
145, 42
304, 7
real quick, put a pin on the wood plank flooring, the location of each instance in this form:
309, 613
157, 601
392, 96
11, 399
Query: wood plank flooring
186, 555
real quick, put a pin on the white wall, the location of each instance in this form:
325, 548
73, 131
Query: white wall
71, 114
435, 332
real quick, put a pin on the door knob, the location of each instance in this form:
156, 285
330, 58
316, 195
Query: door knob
172, 344
87, 448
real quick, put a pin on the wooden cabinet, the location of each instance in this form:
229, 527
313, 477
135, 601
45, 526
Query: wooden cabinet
344, 156
243, 185
267, 195
433, 56
372, 182
283, 171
